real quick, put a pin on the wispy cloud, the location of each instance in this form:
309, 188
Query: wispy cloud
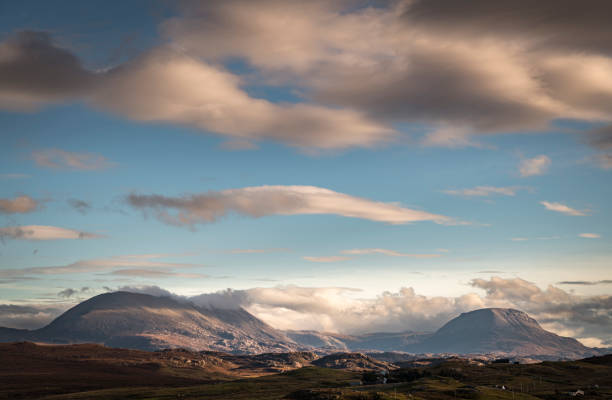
562, 208
586, 283
524, 239
81, 206
387, 252
62, 159
130, 262
14, 176
20, 204
534, 166
260, 201
590, 235
44, 232
258, 251
326, 259
484, 191
150, 273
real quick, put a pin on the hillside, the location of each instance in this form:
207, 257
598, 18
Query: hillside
141, 321
499, 330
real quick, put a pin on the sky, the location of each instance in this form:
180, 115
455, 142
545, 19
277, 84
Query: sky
345, 166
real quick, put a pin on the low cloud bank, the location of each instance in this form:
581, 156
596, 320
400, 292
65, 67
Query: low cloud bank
338, 309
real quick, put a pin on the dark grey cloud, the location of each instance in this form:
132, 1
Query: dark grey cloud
577, 25
67, 293
587, 283
601, 137
81, 206
34, 70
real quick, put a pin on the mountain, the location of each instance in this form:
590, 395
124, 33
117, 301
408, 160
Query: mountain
141, 321
488, 330
501, 330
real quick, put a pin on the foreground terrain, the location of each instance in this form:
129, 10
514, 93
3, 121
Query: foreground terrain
85, 371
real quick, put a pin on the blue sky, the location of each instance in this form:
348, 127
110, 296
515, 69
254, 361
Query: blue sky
511, 235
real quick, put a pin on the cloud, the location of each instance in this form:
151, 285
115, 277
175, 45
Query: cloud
326, 259
258, 251
417, 62
132, 261
259, 201
524, 239
589, 235
67, 293
534, 166
167, 86
35, 71
387, 252
81, 206
338, 309
20, 204
484, 191
14, 176
586, 283
460, 71
43, 232
27, 317
604, 161
562, 208
149, 273
61, 159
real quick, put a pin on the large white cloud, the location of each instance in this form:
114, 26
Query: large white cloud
259, 201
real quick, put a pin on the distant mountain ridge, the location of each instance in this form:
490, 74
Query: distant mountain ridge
141, 321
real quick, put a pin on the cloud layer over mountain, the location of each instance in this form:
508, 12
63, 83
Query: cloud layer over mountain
339, 309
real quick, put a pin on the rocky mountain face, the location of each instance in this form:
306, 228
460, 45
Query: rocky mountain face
141, 321
499, 330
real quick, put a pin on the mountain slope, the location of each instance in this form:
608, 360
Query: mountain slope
499, 330
141, 321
